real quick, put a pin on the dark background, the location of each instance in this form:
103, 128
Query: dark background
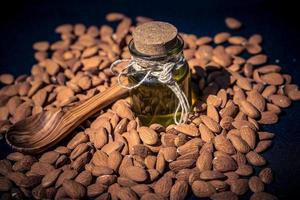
24, 22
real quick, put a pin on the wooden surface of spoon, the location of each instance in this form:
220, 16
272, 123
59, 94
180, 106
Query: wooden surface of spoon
42, 131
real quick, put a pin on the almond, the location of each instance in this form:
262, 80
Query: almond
211, 124
221, 37
204, 161
280, 100
239, 144
239, 186
273, 78
211, 175
5, 184
141, 189
223, 144
123, 110
181, 164
78, 139
262, 195
49, 157
262, 146
257, 100
148, 135
244, 170
24, 164
170, 153
266, 175
101, 170
163, 186
268, 117
73, 189
136, 174
66, 175
232, 23
249, 136
247, 108
206, 134
257, 59
227, 195
187, 129
255, 159
224, 164
50, 178
95, 189
179, 190
256, 185
84, 178
126, 193
101, 138
202, 189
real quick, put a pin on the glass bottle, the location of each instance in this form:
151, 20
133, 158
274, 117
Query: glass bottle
153, 101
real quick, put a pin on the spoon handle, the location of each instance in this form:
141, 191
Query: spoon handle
40, 132
79, 113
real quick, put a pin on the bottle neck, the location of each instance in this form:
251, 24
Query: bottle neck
173, 54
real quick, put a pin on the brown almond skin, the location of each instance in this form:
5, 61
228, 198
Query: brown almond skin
151, 196
266, 175
79, 138
24, 164
248, 135
73, 189
95, 189
211, 175
179, 190
255, 184
136, 174
140, 189
280, 100
239, 186
268, 117
273, 78
211, 124
227, 195
84, 178
202, 189
255, 159
148, 135
181, 164
221, 143
5, 184
244, 170
187, 129
204, 161
224, 164
15, 156
163, 186
262, 195
263, 145
49, 157
249, 109
50, 178
239, 144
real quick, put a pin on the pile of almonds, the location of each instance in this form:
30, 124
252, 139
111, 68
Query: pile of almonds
112, 155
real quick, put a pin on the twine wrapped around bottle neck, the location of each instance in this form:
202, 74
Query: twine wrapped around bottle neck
163, 71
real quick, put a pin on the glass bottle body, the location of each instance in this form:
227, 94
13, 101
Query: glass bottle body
153, 101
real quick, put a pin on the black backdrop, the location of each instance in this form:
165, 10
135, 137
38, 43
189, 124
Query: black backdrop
24, 22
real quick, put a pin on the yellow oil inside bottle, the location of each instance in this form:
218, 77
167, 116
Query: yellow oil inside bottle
154, 102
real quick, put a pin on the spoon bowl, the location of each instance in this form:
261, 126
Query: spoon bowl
39, 132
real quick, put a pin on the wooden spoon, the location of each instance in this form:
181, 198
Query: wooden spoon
42, 131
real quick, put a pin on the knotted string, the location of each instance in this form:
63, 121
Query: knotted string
163, 71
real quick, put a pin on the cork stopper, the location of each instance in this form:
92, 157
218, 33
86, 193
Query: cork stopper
154, 38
